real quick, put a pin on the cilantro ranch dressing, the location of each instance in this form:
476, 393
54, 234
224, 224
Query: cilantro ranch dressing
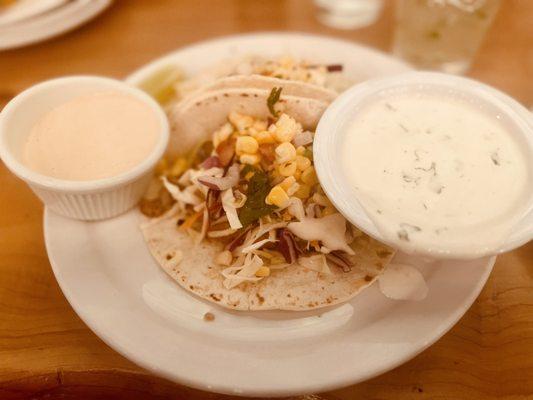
436, 173
93, 136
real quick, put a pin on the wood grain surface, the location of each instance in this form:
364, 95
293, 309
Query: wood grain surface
47, 352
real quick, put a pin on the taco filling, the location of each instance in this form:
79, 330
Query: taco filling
252, 190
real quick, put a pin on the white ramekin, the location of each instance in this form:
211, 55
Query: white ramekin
85, 200
332, 128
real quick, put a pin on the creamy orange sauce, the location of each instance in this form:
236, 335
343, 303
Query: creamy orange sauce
94, 136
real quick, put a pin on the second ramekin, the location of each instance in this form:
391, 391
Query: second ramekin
332, 127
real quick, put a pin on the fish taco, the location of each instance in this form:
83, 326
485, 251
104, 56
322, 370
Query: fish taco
239, 217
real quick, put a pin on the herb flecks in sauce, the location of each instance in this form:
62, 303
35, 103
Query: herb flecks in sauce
406, 229
407, 178
390, 107
495, 157
403, 235
431, 168
457, 167
411, 179
410, 227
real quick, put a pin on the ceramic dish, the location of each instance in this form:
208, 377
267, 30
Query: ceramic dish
47, 25
85, 200
111, 280
332, 131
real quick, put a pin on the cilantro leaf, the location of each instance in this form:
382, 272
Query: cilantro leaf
255, 206
273, 98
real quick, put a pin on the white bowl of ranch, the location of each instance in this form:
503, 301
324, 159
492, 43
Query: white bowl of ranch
431, 164
85, 145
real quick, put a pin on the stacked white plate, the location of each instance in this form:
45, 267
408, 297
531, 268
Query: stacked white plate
24, 22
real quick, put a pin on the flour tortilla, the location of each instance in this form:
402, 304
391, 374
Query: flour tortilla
292, 88
238, 67
194, 120
294, 288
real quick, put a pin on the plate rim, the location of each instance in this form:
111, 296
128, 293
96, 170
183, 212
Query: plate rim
198, 383
81, 13
143, 70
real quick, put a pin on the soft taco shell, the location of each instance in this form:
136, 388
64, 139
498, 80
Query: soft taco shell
194, 120
291, 88
239, 66
293, 288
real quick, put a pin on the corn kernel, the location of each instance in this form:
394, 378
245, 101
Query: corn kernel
300, 150
287, 169
240, 121
287, 183
302, 163
251, 159
303, 191
246, 144
179, 167
285, 152
224, 258
277, 197
161, 167
262, 271
309, 176
286, 128
293, 189
264, 137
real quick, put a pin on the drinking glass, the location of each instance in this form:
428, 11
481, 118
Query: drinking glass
442, 35
348, 14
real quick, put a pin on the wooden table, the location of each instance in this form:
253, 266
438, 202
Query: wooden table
46, 351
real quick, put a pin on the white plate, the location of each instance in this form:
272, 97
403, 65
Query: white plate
24, 9
110, 279
50, 24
